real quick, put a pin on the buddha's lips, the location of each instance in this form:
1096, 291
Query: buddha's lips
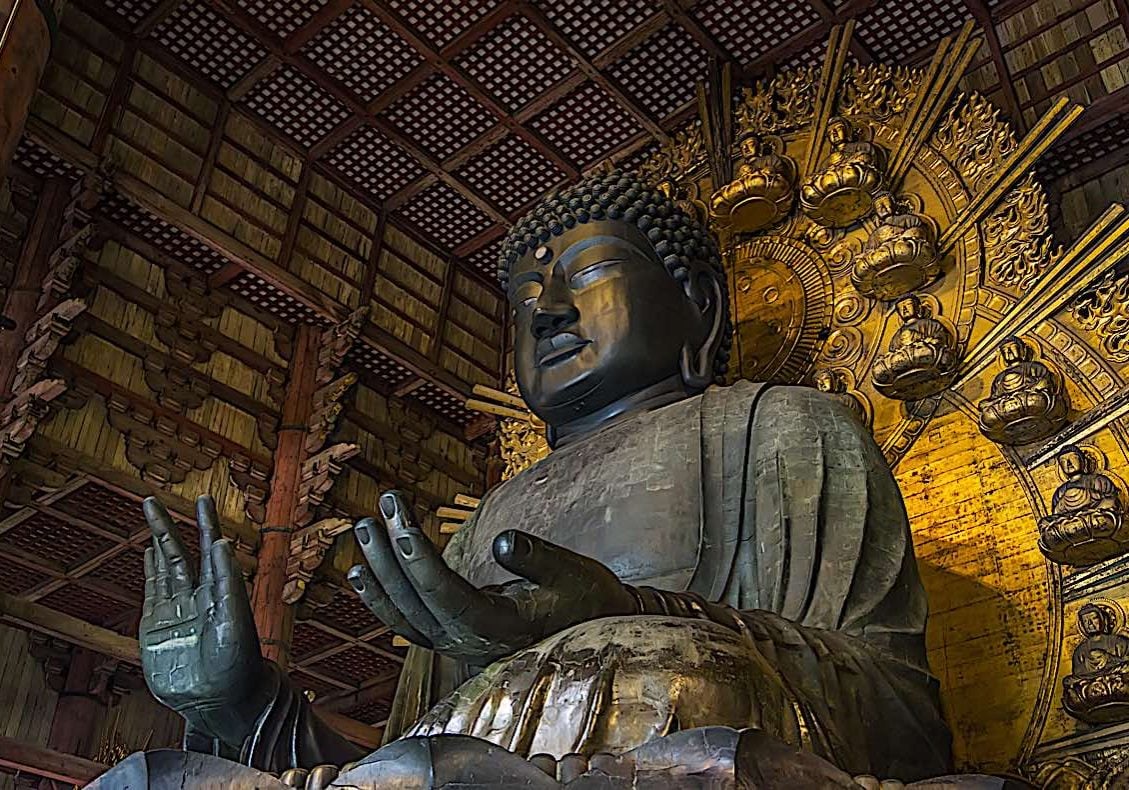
558, 347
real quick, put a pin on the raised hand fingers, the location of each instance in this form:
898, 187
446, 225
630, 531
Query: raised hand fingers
378, 602
465, 612
150, 583
231, 599
169, 545
209, 525
381, 558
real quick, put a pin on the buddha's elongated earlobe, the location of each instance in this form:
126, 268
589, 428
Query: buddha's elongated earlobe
697, 365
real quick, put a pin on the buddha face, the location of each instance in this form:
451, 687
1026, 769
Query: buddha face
824, 381
908, 308
884, 206
1092, 622
1015, 350
838, 132
751, 147
597, 318
1073, 462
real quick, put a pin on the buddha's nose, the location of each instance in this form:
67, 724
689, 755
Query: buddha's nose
551, 318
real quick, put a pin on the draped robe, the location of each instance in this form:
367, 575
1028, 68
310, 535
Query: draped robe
773, 500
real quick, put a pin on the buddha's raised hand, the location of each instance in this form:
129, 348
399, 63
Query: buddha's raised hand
199, 649
412, 590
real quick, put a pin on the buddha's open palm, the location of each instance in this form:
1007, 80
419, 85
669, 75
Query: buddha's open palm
406, 584
199, 649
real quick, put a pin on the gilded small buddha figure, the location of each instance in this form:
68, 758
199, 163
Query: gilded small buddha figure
843, 189
832, 382
899, 256
763, 191
1027, 402
1097, 689
921, 358
1086, 523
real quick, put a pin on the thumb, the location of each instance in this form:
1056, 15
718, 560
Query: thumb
547, 564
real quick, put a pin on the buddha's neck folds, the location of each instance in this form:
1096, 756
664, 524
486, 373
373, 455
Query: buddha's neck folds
660, 394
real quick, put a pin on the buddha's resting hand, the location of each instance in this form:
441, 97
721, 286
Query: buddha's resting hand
199, 649
409, 587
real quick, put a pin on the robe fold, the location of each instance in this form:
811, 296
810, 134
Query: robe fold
773, 500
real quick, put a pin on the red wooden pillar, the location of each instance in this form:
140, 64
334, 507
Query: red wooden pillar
273, 617
22, 303
25, 43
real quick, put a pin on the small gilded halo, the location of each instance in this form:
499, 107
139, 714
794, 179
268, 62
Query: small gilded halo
543, 254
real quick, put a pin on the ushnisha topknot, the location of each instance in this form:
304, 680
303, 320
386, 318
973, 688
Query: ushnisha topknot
679, 240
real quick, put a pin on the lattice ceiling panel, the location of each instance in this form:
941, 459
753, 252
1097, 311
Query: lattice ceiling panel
443, 402
86, 604
1085, 148
383, 369
440, 21
262, 294
510, 174
374, 163
750, 28
594, 25
370, 712
95, 504
485, 259
209, 43
290, 101
360, 51
133, 11
125, 571
283, 16
347, 613
162, 235
38, 160
587, 124
895, 31
307, 682
663, 71
309, 640
57, 542
516, 62
445, 215
15, 579
355, 665
440, 116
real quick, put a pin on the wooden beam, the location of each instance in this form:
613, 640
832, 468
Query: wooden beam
366, 735
30, 758
36, 617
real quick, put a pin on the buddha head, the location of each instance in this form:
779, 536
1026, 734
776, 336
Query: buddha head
618, 297
885, 205
839, 131
1094, 620
1074, 461
909, 308
752, 146
829, 381
1015, 349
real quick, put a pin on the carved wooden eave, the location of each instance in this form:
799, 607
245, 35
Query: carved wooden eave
318, 474
252, 478
308, 549
66, 260
22, 415
180, 319
163, 451
43, 338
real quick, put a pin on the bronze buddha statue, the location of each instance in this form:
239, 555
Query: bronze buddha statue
699, 586
921, 358
1097, 689
1027, 402
843, 189
900, 254
1086, 524
763, 191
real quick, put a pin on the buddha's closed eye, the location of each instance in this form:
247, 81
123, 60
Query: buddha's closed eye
593, 272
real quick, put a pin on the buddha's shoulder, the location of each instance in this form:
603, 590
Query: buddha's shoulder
768, 401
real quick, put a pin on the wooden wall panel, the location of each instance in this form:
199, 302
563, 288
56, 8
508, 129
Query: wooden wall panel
1082, 205
26, 703
252, 187
163, 131
77, 82
334, 241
